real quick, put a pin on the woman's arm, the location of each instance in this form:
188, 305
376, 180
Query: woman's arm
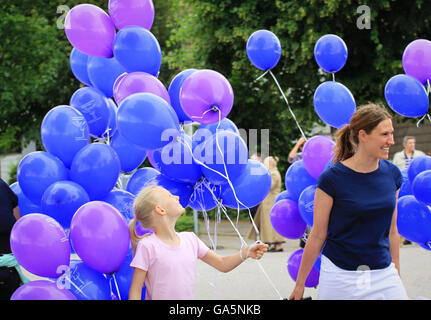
230, 262
138, 280
394, 239
322, 209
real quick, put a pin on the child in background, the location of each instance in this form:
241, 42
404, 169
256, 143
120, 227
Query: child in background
166, 260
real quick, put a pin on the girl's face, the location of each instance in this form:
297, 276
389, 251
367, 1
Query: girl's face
378, 142
171, 203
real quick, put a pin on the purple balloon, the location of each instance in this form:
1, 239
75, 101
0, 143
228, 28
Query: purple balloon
204, 90
100, 236
286, 219
417, 60
40, 245
42, 290
293, 265
90, 30
132, 13
317, 152
137, 82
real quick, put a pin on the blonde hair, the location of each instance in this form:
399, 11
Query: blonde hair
143, 207
366, 118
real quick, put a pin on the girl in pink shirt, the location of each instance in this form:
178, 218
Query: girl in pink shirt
166, 260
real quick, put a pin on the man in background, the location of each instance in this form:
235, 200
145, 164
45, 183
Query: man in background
403, 158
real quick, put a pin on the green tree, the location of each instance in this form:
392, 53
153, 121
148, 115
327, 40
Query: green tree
213, 34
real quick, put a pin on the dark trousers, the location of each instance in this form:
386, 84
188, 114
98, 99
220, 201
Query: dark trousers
9, 282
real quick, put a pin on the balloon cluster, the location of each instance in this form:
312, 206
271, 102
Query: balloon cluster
414, 201
333, 102
73, 190
407, 95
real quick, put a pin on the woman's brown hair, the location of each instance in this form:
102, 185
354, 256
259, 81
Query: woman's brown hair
366, 118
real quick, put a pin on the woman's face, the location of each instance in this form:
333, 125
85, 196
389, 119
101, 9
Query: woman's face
378, 142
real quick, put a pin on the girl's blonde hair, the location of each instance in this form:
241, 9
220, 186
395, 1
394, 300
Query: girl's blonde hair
365, 118
143, 207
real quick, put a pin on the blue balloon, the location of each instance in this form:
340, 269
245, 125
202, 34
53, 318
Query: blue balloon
64, 132
123, 278
205, 131
123, 201
147, 120
306, 204
174, 93
233, 157
175, 160
131, 155
138, 180
96, 167
422, 187
203, 199
61, 200
78, 64
417, 166
37, 171
406, 187
406, 96
86, 283
297, 179
112, 124
284, 195
137, 49
413, 220
330, 53
24, 204
182, 190
263, 49
94, 106
334, 104
251, 187
103, 72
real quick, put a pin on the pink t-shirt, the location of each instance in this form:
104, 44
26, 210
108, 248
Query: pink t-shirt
171, 270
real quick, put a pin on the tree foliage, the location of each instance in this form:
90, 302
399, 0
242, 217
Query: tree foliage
213, 34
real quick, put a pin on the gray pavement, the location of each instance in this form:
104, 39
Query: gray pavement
270, 279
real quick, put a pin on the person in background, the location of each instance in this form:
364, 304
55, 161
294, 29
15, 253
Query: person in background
10, 278
262, 220
402, 159
296, 153
355, 216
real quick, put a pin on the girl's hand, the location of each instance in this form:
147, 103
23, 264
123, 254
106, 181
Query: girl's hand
257, 250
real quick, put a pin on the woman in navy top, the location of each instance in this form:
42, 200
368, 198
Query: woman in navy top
355, 215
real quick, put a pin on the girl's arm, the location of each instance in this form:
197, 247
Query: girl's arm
227, 263
138, 280
322, 209
394, 240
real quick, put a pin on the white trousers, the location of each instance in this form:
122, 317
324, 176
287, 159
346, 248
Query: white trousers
362, 284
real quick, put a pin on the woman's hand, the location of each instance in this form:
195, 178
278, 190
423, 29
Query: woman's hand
297, 293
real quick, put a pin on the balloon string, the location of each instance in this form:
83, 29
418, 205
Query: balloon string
77, 288
333, 76
116, 286
287, 103
243, 242
257, 79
